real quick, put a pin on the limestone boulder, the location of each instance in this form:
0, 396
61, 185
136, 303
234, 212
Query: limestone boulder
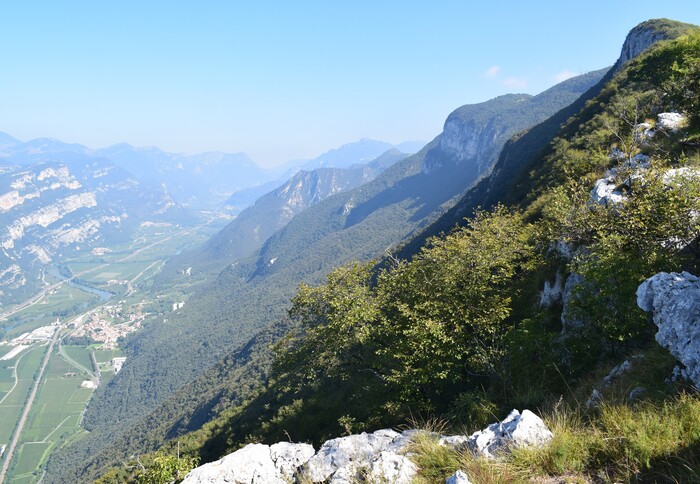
525, 429
607, 191
674, 302
253, 464
347, 459
669, 121
458, 477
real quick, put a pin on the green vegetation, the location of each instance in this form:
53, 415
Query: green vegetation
647, 442
449, 332
18, 379
55, 415
79, 354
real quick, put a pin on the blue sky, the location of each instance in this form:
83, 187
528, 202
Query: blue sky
281, 80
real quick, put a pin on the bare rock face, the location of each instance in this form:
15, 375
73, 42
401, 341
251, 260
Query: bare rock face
254, 463
552, 293
375, 457
458, 477
525, 429
467, 141
674, 301
607, 191
346, 459
669, 121
638, 40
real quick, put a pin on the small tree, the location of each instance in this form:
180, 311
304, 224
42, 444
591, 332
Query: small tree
166, 469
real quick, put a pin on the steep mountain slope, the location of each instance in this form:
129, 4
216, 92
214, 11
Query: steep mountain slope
413, 192
361, 224
346, 156
243, 199
247, 232
50, 210
511, 178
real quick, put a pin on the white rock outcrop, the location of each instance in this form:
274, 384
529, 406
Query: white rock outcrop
643, 132
669, 121
458, 477
674, 301
678, 176
525, 429
612, 188
607, 191
379, 455
553, 292
374, 457
254, 463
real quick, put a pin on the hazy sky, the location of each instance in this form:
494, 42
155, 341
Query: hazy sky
284, 80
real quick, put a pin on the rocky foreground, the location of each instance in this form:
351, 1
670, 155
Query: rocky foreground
382, 456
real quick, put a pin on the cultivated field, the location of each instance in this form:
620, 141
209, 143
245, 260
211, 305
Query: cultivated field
55, 415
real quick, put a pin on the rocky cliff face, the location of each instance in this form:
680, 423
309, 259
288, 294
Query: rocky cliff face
307, 188
50, 210
461, 141
473, 135
639, 39
674, 302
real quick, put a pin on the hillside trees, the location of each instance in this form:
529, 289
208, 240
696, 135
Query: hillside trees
446, 311
427, 330
674, 72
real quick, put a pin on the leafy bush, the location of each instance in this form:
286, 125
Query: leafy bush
166, 469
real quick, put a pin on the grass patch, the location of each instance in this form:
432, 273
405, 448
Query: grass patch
643, 442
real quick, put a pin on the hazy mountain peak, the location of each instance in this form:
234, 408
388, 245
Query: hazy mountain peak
53, 144
7, 140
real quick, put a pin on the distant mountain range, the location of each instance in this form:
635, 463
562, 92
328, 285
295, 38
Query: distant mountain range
57, 198
201, 181
346, 156
361, 151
